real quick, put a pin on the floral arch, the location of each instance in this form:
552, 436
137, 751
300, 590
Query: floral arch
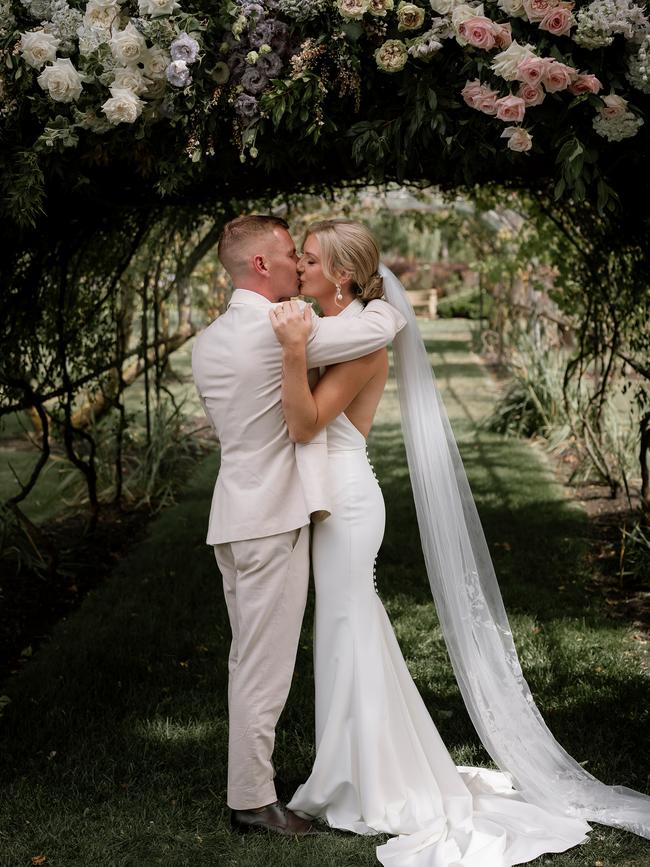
146, 102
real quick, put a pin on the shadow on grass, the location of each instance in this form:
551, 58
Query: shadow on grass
114, 747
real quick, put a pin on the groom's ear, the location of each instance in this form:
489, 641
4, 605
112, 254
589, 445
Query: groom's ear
260, 266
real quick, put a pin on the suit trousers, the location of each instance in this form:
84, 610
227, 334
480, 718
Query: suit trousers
265, 584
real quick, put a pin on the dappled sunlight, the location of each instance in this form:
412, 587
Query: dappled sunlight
165, 730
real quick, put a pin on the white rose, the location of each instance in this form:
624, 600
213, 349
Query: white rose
513, 8
156, 61
61, 80
101, 13
464, 11
506, 62
130, 78
442, 7
156, 8
38, 48
123, 106
128, 46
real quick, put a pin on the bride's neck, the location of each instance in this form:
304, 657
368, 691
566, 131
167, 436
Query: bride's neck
331, 308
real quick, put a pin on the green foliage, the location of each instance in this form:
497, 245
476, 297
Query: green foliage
465, 305
635, 553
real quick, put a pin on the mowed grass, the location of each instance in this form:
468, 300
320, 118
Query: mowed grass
113, 749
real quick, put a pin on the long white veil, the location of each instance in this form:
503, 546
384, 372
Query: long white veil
471, 611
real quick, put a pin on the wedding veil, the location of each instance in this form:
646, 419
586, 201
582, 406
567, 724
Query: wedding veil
470, 608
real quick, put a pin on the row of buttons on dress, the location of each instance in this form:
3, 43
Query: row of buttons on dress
374, 566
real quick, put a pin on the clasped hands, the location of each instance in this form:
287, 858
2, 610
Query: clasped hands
291, 324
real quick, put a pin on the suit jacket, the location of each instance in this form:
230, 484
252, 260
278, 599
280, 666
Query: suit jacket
237, 367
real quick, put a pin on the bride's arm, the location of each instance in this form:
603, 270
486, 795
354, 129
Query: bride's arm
308, 412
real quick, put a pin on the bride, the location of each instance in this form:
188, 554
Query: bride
380, 764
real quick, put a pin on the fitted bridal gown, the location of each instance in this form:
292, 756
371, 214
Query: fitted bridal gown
381, 766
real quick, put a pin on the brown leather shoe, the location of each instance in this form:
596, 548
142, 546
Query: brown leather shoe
275, 817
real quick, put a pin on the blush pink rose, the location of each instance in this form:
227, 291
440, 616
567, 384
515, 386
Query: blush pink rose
532, 94
511, 108
536, 10
532, 70
480, 97
519, 139
487, 102
558, 76
585, 84
478, 31
502, 35
557, 21
471, 92
615, 106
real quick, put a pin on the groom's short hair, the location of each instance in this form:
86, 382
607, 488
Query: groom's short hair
237, 234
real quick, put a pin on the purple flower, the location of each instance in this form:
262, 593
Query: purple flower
246, 106
237, 63
178, 73
269, 64
250, 8
254, 80
270, 32
184, 48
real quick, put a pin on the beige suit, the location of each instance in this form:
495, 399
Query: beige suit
260, 511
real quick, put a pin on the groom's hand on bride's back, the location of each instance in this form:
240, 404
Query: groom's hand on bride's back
292, 323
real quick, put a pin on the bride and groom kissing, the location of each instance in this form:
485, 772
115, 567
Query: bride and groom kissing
292, 397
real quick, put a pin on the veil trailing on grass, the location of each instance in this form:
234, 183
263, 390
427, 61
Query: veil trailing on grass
471, 611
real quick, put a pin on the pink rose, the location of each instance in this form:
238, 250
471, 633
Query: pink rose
532, 70
536, 10
532, 94
471, 92
519, 139
615, 106
478, 31
480, 97
487, 102
511, 108
503, 35
558, 76
585, 84
558, 21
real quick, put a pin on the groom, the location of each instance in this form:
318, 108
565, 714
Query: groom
259, 519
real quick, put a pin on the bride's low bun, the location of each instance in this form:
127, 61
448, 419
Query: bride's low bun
374, 288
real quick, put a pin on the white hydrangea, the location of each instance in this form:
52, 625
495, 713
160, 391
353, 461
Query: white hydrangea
602, 19
617, 128
63, 23
90, 38
7, 17
638, 68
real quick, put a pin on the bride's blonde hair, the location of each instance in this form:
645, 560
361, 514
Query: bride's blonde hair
350, 246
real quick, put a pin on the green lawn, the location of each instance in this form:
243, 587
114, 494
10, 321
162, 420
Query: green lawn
113, 749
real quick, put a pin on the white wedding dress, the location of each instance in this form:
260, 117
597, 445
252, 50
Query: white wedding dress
381, 766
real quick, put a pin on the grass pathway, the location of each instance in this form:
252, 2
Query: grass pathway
112, 751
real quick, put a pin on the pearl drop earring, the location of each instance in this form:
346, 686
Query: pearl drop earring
339, 294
